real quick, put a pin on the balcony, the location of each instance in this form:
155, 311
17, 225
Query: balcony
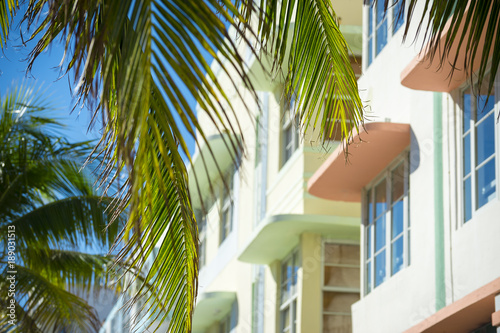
277, 235
424, 74
210, 308
209, 165
341, 180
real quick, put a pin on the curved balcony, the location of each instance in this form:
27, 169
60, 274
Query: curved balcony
339, 180
277, 235
424, 74
209, 165
211, 307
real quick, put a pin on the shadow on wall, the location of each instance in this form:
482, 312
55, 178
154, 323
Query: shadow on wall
415, 153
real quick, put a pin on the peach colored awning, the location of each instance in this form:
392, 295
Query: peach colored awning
422, 74
341, 180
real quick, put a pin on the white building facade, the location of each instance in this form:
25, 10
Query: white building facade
426, 177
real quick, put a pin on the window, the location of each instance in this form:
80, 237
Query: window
340, 285
387, 225
202, 252
478, 150
288, 301
258, 299
290, 133
226, 221
379, 29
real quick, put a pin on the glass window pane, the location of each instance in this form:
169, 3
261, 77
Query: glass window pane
380, 11
380, 233
467, 110
285, 319
486, 187
381, 36
380, 268
369, 241
397, 218
484, 105
398, 19
398, 182
341, 254
370, 21
336, 323
380, 198
397, 255
485, 139
370, 50
295, 269
338, 301
466, 155
467, 200
341, 276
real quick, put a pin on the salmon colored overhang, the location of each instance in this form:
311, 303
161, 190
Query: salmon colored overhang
341, 180
422, 74
464, 315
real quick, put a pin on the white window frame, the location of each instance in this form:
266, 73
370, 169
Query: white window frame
202, 227
258, 298
290, 123
226, 210
290, 303
369, 278
473, 144
390, 18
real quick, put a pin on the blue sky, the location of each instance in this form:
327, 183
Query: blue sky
46, 75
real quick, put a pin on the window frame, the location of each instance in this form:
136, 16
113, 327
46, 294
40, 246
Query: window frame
290, 122
202, 228
226, 209
368, 250
290, 303
370, 31
472, 133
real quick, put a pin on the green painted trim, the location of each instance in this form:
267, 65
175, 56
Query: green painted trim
438, 202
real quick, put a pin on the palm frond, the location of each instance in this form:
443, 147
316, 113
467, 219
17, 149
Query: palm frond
139, 72
318, 69
24, 323
132, 72
71, 270
469, 24
74, 221
50, 307
8, 9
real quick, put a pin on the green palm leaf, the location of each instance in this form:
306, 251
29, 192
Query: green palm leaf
54, 209
136, 72
53, 307
318, 70
8, 9
78, 221
468, 22
73, 270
